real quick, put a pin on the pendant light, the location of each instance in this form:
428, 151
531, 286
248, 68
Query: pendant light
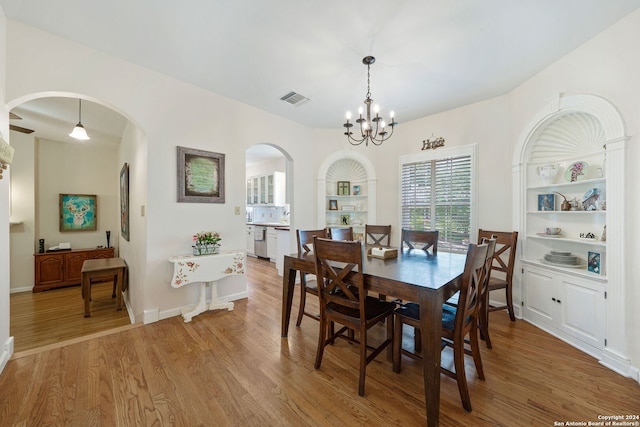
78, 131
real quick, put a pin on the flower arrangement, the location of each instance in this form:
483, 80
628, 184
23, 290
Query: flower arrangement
206, 242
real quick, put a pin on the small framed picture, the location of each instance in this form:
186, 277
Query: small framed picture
344, 188
348, 207
546, 202
356, 190
593, 262
345, 219
333, 205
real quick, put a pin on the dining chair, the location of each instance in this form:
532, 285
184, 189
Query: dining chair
347, 303
425, 239
502, 267
377, 234
307, 284
483, 312
457, 323
340, 233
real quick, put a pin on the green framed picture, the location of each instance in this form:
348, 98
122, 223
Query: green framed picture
344, 188
78, 212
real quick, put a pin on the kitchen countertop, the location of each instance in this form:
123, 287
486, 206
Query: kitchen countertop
278, 225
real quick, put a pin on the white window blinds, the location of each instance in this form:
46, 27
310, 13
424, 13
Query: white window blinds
436, 195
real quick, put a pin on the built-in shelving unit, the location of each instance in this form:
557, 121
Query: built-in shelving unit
355, 209
574, 149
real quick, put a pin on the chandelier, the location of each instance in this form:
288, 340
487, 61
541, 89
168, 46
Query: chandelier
371, 129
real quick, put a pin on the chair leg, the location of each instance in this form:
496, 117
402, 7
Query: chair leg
303, 302
397, 346
322, 340
510, 303
475, 352
363, 360
458, 361
390, 335
483, 317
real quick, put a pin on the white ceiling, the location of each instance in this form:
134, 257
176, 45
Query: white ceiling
431, 55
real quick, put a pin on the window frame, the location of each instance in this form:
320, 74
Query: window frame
470, 150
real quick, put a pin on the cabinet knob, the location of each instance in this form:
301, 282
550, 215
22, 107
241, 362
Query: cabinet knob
553, 299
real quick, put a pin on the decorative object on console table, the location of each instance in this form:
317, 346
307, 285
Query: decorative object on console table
206, 243
41, 246
200, 176
593, 262
344, 188
124, 202
546, 202
78, 212
108, 238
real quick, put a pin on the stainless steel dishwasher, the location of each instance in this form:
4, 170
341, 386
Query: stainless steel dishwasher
260, 240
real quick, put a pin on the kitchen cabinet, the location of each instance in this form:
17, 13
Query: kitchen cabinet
64, 268
250, 240
570, 307
267, 190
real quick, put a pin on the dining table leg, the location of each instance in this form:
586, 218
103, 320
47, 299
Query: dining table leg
288, 282
431, 327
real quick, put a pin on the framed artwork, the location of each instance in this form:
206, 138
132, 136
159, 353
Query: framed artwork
356, 190
200, 176
345, 219
78, 212
333, 205
344, 188
546, 202
593, 262
348, 207
124, 201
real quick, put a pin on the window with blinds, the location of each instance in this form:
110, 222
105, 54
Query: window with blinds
436, 195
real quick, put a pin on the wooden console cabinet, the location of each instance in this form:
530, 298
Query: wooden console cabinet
64, 268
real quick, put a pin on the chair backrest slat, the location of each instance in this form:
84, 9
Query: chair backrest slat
377, 234
426, 239
305, 239
472, 282
340, 233
505, 251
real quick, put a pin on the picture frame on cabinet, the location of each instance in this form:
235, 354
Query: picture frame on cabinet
356, 190
333, 205
344, 188
200, 176
546, 202
78, 212
593, 262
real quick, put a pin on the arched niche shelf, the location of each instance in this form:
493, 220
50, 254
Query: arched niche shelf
570, 129
355, 168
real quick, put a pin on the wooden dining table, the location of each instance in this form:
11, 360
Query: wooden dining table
414, 275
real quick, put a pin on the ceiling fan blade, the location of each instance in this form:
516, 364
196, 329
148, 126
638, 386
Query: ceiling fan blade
20, 129
14, 116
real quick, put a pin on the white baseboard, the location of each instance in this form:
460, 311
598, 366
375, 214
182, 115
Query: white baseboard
150, 316
7, 352
166, 314
22, 289
617, 363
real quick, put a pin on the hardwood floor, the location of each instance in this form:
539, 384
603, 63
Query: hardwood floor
50, 317
232, 368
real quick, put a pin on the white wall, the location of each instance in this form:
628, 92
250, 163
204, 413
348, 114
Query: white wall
23, 203
76, 168
6, 342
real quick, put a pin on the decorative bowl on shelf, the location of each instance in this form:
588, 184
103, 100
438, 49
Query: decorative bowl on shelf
553, 230
547, 172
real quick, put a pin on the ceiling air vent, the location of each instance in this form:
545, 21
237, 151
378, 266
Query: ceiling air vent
294, 98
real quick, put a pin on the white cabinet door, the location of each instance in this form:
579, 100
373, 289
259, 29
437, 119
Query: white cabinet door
250, 240
570, 307
272, 244
582, 311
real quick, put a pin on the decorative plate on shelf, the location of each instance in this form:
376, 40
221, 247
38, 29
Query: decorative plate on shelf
577, 171
590, 200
